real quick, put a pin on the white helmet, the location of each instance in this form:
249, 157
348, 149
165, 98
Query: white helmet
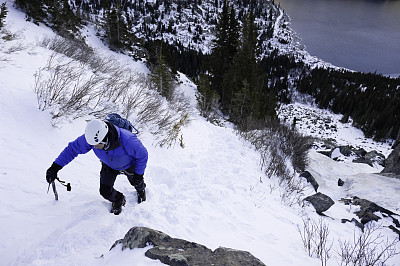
95, 131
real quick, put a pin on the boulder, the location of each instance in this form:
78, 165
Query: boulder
370, 158
355, 222
363, 160
361, 155
367, 212
321, 202
360, 152
310, 179
393, 162
179, 252
326, 153
346, 150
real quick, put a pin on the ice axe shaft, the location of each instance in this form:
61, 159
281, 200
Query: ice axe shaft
68, 186
54, 190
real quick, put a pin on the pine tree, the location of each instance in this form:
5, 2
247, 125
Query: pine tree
161, 78
63, 19
116, 29
34, 10
3, 14
251, 99
233, 33
225, 47
241, 103
207, 98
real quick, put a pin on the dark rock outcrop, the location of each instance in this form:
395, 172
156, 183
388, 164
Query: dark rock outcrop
362, 156
355, 222
367, 212
179, 252
321, 202
310, 179
393, 162
346, 150
370, 158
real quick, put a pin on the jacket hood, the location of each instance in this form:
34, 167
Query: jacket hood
113, 138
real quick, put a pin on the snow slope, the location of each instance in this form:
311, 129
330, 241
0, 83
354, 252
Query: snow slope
211, 192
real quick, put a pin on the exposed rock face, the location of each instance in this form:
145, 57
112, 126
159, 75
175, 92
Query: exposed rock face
355, 222
310, 179
321, 202
362, 156
393, 162
367, 213
179, 252
370, 158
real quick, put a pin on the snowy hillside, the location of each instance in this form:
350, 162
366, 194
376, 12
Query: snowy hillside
212, 191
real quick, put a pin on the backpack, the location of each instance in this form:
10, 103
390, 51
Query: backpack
120, 122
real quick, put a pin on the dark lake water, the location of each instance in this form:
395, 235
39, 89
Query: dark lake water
361, 35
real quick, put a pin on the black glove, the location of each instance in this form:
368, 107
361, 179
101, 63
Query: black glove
51, 173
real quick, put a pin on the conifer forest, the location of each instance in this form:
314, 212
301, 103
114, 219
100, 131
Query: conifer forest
241, 73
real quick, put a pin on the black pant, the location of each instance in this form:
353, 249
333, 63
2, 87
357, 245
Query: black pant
108, 177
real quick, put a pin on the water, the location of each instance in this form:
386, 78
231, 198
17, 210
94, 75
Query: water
361, 35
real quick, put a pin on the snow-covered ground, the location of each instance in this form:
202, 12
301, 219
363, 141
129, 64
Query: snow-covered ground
325, 125
211, 192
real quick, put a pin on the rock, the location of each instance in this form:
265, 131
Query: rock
390, 175
326, 153
363, 160
393, 162
368, 209
370, 158
310, 179
340, 182
368, 217
394, 229
375, 157
367, 213
362, 156
346, 150
355, 222
321, 202
179, 252
360, 152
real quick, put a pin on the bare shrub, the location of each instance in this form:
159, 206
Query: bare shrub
15, 48
314, 235
67, 90
70, 89
291, 191
164, 115
179, 103
88, 84
208, 107
173, 134
78, 50
368, 248
135, 98
5, 59
7, 35
72, 48
283, 152
307, 235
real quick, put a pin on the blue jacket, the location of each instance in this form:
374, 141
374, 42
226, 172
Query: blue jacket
128, 152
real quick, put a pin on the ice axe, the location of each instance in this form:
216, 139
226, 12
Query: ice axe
54, 187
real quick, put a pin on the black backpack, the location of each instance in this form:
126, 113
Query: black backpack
120, 122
